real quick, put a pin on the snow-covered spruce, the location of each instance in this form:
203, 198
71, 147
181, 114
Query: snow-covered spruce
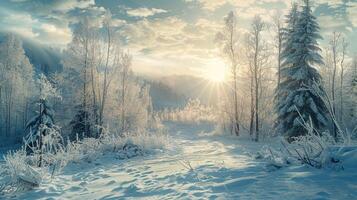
314, 148
300, 56
44, 136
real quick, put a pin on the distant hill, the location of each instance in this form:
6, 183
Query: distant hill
163, 96
175, 90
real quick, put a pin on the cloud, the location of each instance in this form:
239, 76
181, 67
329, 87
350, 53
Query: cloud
352, 13
209, 4
68, 5
54, 34
46, 7
49, 22
144, 12
18, 23
212, 5
171, 36
117, 22
25, 25
332, 23
178, 37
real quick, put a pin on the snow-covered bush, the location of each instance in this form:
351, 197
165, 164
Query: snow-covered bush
23, 169
275, 159
21, 172
148, 140
123, 145
44, 151
318, 149
315, 148
87, 149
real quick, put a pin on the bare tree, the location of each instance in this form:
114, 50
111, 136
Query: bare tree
334, 50
125, 63
79, 64
106, 79
342, 71
257, 57
16, 74
335, 72
252, 99
278, 26
353, 92
229, 41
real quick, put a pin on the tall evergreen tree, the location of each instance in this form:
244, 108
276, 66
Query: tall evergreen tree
287, 48
80, 125
301, 54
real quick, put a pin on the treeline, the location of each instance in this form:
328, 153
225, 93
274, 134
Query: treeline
278, 85
193, 112
97, 88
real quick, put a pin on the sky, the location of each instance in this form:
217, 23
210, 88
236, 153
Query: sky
165, 36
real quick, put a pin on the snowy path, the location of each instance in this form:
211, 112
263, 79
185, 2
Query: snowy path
222, 170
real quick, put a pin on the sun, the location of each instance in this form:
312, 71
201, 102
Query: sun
215, 75
215, 72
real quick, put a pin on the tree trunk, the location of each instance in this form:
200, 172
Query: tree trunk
123, 104
279, 61
86, 128
105, 84
252, 113
333, 93
341, 94
256, 94
236, 117
344, 46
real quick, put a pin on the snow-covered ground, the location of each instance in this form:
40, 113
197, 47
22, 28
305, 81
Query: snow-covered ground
197, 165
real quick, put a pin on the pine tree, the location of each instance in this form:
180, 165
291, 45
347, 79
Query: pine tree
43, 134
301, 54
80, 124
287, 49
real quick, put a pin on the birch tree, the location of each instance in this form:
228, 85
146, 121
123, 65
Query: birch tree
15, 85
353, 93
228, 39
279, 33
78, 63
344, 46
334, 50
257, 54
113, 58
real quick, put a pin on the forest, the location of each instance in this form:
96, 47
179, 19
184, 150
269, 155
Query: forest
271, 114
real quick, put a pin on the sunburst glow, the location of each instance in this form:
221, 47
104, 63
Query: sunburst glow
215, 71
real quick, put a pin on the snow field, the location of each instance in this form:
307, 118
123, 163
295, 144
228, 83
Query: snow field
197, 165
